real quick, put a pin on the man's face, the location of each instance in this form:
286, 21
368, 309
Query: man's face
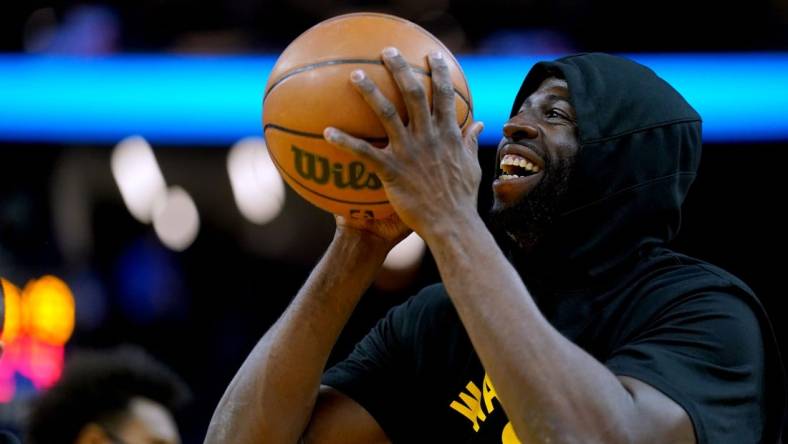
534, 162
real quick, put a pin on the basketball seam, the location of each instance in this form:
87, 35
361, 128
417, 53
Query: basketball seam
312, 66
283, 171
371, 140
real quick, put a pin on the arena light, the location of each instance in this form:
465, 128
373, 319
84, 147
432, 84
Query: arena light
213, 100
406, 254
42, 321
257, 186
49, 310
175, 219
138, 176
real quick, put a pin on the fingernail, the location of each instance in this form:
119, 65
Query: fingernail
329, 133
390, 51
437, 55
357, 75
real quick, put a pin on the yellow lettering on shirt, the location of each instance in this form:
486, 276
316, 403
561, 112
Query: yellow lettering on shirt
489, 393
508, 436
471, 406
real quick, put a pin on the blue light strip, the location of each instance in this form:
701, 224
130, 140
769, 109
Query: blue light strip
202, 100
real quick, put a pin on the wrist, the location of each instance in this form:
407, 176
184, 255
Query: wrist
358, 242
461, 226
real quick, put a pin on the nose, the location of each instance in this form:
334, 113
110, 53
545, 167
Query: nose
517, 129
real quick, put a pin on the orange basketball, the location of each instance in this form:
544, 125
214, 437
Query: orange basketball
309, 89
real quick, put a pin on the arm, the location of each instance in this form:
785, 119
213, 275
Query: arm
551, 390
272, 397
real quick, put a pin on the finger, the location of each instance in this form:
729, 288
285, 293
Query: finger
375, 156
471, 137
410, 87
383, 108
443, 107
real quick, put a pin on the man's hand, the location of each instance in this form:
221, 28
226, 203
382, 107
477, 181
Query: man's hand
384, 233
430, 170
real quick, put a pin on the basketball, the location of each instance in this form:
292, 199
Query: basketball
309, 89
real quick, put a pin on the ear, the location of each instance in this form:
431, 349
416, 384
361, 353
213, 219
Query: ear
92, 433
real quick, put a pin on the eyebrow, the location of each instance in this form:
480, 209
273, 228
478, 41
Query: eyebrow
557, 98
550, 98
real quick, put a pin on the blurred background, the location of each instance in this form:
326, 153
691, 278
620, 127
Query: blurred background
138, 204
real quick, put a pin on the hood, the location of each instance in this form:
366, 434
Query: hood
640, 145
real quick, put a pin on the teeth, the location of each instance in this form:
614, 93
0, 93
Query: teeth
508, 176
515, 160
511, 159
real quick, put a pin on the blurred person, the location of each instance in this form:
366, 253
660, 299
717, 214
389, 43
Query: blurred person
567, 320
117, 396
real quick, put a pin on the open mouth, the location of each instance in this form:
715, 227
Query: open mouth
520, 170
513, 167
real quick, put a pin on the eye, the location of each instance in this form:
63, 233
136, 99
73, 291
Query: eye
555, 113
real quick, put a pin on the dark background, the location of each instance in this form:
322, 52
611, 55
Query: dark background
222, 293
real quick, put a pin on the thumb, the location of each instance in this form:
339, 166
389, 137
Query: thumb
472, 136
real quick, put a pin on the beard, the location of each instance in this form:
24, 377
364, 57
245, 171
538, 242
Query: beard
525, 223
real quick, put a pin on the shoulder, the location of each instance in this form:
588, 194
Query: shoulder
725, 322
668, 283
667, 267
687, 314
714, 326
683, 302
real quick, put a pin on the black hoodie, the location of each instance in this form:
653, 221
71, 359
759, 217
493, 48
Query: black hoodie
604, 277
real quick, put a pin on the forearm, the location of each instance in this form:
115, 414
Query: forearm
551, 390
271, 397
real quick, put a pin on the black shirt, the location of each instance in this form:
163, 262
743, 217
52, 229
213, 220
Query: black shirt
419, 377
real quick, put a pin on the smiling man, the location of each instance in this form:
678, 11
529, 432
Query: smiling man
577, 325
